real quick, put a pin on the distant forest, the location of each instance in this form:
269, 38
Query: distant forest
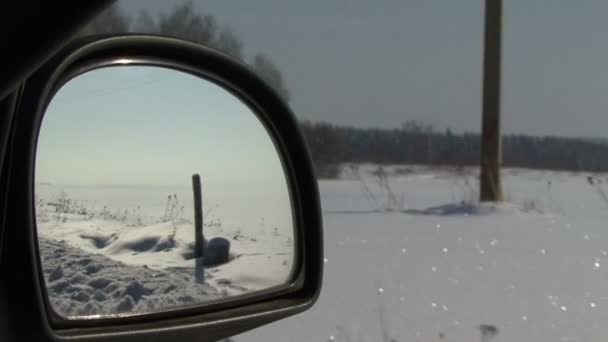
417, 143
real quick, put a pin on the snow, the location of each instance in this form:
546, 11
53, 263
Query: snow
418, 260
437, 268
81, 283
106, 261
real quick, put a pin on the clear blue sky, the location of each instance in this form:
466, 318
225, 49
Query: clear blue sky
380, 63
148, 125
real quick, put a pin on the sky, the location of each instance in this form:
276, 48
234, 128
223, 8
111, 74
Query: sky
150, 125
381, 63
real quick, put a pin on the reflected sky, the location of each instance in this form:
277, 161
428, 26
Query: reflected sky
143, 125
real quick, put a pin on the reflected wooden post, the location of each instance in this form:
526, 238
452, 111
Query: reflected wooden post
490, 183
199, 238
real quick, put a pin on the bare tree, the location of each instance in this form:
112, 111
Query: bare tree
111, 20
145, 23
185, 22
271, 74
229, 42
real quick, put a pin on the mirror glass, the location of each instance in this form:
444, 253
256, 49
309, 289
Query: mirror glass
157, 189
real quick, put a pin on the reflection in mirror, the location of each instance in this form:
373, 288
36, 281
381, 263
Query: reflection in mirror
156, 189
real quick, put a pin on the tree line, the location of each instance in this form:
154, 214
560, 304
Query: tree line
184, 21
418, 143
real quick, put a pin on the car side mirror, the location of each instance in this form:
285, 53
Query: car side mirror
158, 188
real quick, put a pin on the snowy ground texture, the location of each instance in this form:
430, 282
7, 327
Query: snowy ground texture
435, 268
98, 260
81, 283
410, 256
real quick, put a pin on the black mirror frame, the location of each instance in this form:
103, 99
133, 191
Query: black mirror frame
26, 306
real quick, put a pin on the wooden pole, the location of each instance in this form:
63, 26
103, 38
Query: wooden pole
199, 238
490, 189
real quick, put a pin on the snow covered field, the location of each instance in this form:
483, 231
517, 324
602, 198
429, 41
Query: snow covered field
114, 250
535, 268
410, 257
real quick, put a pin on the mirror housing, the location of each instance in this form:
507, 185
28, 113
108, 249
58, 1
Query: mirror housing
26, 307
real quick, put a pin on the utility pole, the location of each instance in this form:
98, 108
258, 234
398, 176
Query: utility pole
490, 189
